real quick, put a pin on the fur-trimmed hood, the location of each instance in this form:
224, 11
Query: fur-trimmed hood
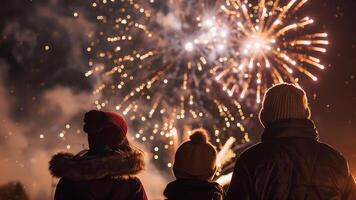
90, 167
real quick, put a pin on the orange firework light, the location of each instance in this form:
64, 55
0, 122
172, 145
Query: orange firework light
270, 44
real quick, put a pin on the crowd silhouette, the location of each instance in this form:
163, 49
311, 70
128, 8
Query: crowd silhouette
290, 163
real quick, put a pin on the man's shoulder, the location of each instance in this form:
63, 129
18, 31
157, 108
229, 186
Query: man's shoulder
268, 150
265, 147
329, 149
259, 149
329, 154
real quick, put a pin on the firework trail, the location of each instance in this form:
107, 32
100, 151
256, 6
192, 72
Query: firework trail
154, 61
270, 44
162, 63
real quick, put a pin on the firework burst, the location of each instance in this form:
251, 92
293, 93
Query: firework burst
270, 44
153, 64
162, 63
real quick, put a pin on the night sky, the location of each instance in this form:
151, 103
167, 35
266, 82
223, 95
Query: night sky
43, 58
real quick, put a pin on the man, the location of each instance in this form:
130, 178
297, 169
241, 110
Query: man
290, 163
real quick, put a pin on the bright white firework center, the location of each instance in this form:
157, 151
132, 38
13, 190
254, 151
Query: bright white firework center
257, 45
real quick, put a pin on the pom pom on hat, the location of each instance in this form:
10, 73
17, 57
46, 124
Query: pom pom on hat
199, 136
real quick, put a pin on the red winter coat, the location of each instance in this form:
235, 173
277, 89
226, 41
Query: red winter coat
98, 177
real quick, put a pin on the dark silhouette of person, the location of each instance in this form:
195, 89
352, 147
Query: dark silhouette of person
104, 172
194, 167
290, 163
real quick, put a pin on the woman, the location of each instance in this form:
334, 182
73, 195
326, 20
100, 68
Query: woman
106, 170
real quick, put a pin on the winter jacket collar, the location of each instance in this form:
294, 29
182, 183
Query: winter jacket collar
290, 128
87, 166
193, 189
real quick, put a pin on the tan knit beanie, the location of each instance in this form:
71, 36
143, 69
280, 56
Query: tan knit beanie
195, 158
284, 101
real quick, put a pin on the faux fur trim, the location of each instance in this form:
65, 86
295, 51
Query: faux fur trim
119, 164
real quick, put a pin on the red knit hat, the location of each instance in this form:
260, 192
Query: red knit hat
105, 129
118, 120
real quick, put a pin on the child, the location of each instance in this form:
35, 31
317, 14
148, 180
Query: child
106, 171
194, 167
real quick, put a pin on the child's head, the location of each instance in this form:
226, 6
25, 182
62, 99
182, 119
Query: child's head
195, 158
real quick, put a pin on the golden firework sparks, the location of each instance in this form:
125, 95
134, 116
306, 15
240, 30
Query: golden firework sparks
152, 63
270, 44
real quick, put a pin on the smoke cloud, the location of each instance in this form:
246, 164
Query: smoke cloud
44, 94
24, 155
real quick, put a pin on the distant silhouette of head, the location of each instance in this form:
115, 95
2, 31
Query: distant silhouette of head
284, 101
105, 129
